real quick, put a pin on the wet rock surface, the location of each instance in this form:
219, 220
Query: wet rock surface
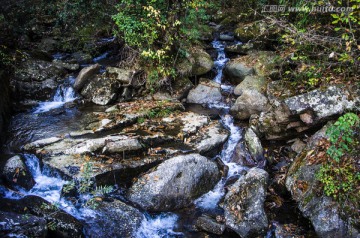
114, 219
237, 71
145, 144
244, 204
36, 79
20, 225
16, 173
63, 224
101, 90
198, 62
256, 82
255, 148
201, 62
114, 141
209, 224
175, 183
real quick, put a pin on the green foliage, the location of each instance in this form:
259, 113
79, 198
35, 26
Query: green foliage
342, 137
67, 188
86, 185
160, 29
86, 181
339, 181
339, 174
140, 120
323, 45
99, 192
158, 112
50, 207
102, 190
347, 23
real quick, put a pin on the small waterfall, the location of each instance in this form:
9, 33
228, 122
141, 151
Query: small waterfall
64, 94
49, 186
221, 60
46, 186
210, 200
160, 226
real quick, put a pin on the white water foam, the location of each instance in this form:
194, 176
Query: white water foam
211, 199
62, 95
48, 186
220, 61
160, 226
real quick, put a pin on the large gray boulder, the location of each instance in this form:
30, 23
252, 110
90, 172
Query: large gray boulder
295, 114
322, 104
251, 102
203, 62
17, 174
101, 90
237, 71
114, 219
244, 204
255, 148
210, 141
175, 183
253, 82
261, 63
197, 62
36, 79
105, 88
85, 76
123, 76
206, 92
322, 211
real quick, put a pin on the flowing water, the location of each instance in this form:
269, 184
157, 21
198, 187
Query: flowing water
210, 200
164, 224
159, 226
64, 94
49, 185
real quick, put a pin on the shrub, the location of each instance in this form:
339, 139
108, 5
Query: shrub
160, 30
339, 172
